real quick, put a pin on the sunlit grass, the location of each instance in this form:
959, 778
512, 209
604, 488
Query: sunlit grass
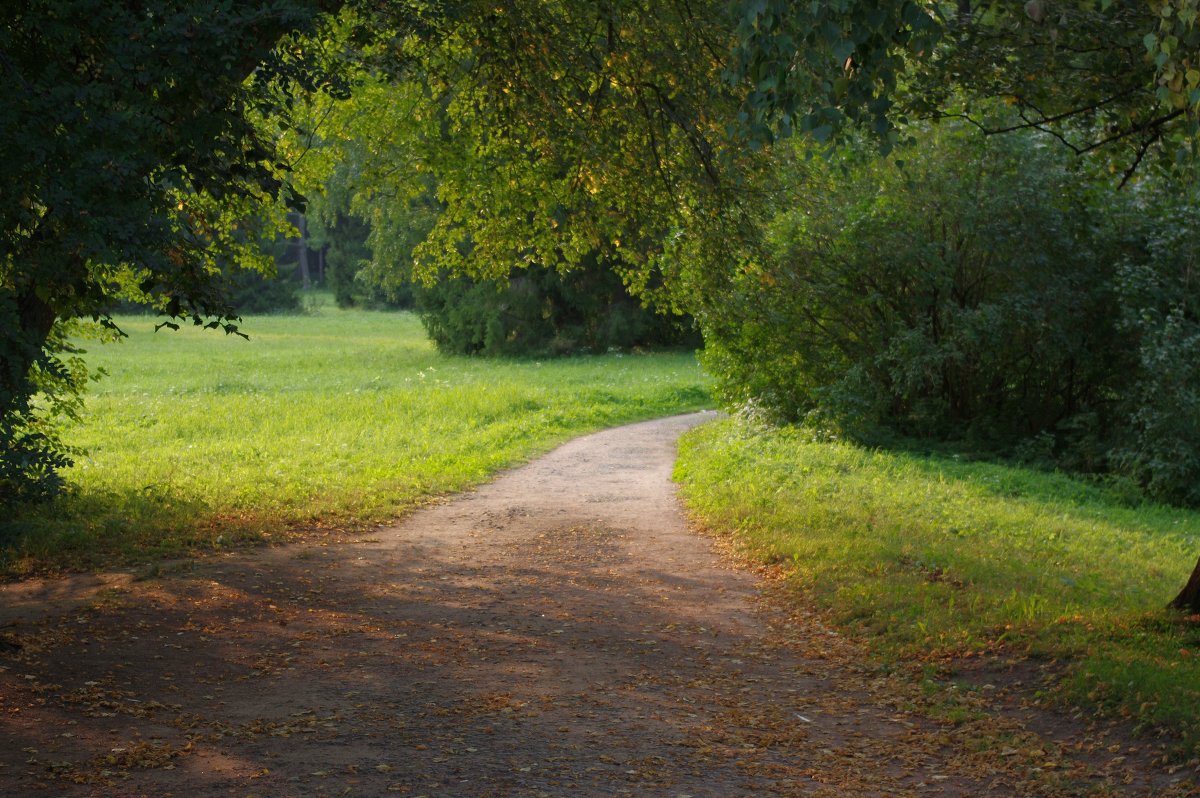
333, 418
935, 558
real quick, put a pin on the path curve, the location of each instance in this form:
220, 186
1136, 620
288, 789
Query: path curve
558, 632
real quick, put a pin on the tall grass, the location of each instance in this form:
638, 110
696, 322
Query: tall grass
196, 439
935, 558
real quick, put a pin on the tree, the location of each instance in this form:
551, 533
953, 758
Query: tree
1118, 78
1114, 75
545, 136
544, 312
555, 132
132, 167
966, 296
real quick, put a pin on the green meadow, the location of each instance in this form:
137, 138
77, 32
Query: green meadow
935, 559
196, 440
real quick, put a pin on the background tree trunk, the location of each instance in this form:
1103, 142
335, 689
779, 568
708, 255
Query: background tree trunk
1189, 598
302, 250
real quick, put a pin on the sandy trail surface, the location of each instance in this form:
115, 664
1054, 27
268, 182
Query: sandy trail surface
558, 632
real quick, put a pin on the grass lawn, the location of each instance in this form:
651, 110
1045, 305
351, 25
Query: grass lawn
196, 439
936, 559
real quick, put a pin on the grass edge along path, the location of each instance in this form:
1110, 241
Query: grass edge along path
333, 420
935, 560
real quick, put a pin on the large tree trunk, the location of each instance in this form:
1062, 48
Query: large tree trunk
20, 348
1189, 598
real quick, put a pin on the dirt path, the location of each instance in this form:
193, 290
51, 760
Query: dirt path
559, 632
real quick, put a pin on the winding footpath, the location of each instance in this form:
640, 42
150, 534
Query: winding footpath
558, 632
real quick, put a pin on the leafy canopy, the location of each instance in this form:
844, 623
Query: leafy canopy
133, 168
550, 134
1116, 74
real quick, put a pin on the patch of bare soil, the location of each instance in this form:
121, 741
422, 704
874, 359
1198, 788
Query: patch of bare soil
559, 632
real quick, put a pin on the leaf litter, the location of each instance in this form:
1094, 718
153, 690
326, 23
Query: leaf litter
558, 632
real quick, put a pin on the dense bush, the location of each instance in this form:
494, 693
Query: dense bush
32, 450
249, 292
255, 292
348, 262
957, 296
984, 292
1159, 282
540, 311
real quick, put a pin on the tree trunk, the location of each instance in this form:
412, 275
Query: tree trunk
22, 347
1188, 599
302, 252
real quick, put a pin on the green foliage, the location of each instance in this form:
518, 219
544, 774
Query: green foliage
330, 418
255, 292
129, 159
32, 449
815, 67
131, 168
1173, 47
347, 258
247, 291
1117, 75
396, 229
977, 294
350, 226
511, 224
1165, 453
960, 296
1078, 69
539, 134
1161, 317
540, 311
934, 557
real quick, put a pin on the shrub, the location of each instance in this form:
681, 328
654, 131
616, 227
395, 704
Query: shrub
348, 264
987, 293
540, 311
1159, 282
959, 297
32, 450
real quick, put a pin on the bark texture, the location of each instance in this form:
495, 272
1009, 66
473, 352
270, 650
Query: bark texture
22, 347
1189, 598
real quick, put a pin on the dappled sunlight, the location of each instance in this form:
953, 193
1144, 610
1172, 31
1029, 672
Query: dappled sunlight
557, 631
